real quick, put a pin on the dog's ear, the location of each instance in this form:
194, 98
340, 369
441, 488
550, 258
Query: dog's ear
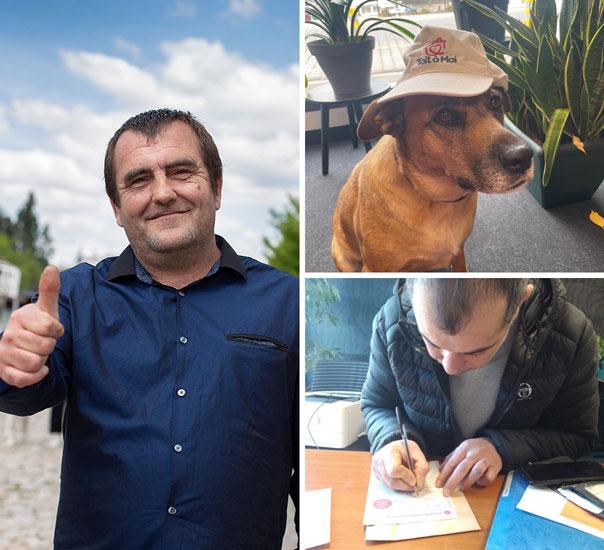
380, 119
505, 99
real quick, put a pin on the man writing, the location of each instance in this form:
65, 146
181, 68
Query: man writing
178, 361
491, 373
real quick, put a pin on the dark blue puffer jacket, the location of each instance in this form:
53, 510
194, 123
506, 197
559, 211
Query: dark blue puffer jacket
548, 399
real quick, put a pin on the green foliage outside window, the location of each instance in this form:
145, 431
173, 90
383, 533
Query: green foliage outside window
321, 296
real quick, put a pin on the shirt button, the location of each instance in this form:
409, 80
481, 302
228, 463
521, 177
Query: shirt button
181, 392
183, 340
171, 510
178, 448
181, 293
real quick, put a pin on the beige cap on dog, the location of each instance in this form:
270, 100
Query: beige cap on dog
447, 62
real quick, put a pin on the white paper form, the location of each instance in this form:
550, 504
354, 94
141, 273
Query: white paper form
549, 504
316, 518
386, 506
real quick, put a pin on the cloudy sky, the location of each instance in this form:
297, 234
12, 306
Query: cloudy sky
72, 72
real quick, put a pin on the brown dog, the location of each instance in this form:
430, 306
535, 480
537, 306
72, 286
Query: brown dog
410, 204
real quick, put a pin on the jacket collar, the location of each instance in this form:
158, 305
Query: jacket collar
123, 265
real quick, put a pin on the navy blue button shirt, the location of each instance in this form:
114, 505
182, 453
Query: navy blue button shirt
181, 421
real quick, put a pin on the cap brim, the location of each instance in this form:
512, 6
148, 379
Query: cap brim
440, 83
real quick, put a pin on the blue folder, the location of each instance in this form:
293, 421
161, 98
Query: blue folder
513, 529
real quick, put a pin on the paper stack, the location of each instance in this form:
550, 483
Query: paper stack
566, 506
395, 515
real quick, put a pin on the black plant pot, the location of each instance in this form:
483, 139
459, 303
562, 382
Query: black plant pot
347, 66
575, 176
468, 19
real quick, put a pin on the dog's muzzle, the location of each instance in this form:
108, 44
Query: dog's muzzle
515, 158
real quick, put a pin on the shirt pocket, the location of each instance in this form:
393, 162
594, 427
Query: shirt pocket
257, 340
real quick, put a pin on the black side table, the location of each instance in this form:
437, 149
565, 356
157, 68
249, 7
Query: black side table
326, 99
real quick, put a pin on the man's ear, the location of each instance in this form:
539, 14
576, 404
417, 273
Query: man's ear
116, 212
218, 194
528, 290
380, 119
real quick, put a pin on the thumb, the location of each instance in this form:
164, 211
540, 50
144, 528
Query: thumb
397, 467
48, 291
420, 465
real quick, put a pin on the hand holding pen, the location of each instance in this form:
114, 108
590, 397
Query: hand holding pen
406, 446
398, 469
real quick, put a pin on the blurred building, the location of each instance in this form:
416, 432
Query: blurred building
10, 280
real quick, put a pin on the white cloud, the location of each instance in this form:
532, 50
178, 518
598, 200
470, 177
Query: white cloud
184, 8
251, 109
125, 46
245, 8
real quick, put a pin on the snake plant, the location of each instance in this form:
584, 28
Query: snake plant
555, 66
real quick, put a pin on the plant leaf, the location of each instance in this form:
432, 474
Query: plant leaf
544, 12
496, 46
594, 217
524, 36
593, 76
552, 141
514, 75
377, 21
568, 13
572, 84
546, 81
355, 12
593, 21
579, 144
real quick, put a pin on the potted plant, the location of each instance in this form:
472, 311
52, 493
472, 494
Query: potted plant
557, 92
342, 44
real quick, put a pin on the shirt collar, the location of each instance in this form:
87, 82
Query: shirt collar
125, 264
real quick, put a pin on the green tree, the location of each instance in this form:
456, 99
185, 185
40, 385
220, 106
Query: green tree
28, 233
25, 243
285, 254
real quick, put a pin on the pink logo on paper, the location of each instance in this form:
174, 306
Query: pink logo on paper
382, 503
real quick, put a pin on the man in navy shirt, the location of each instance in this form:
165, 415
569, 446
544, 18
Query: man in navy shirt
178, 362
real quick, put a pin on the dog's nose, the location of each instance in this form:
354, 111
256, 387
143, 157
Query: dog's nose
515, 157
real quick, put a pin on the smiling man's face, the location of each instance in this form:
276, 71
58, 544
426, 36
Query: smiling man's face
166, 200
477, 341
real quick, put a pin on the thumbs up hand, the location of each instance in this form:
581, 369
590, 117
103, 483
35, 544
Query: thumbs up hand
31, 334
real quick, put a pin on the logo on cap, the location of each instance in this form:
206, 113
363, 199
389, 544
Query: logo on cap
436, 47
435, 53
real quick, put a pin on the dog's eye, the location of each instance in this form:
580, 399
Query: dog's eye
495, 102
447, 117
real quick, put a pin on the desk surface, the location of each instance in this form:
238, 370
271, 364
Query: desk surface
347, 473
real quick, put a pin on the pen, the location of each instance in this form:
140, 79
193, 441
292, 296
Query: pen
406, 445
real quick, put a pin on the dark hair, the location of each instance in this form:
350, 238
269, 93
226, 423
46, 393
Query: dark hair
454, 299
151, 123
